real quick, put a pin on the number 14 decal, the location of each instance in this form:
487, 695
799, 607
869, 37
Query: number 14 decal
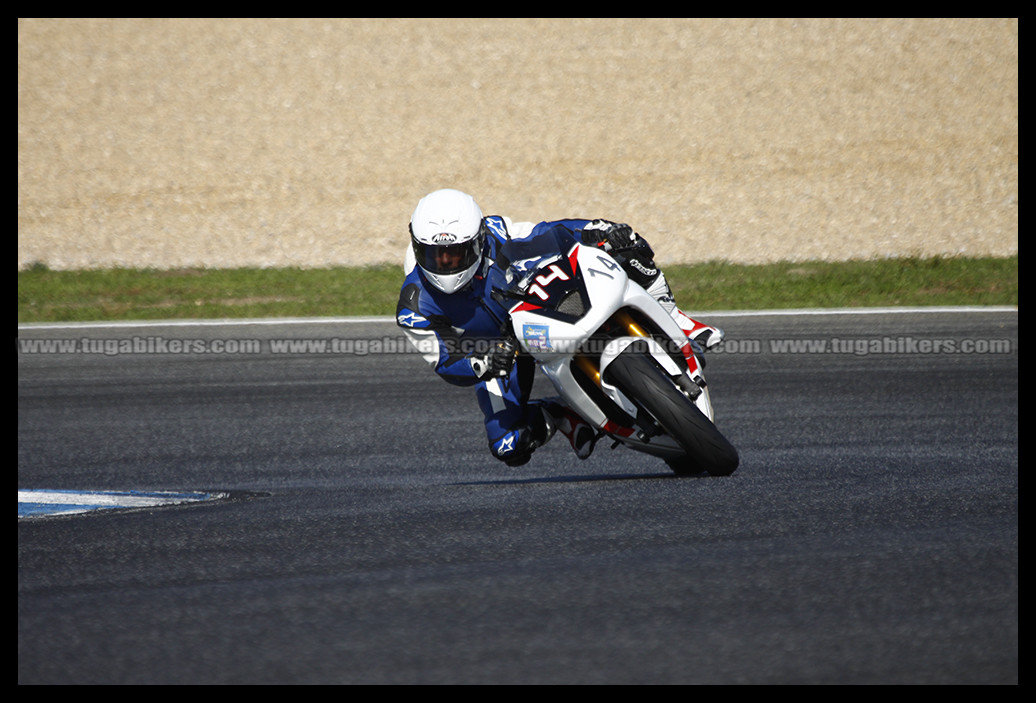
545, 279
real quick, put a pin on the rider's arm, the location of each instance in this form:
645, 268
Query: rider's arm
434, 337
575, 227
443, 348
458, 369
461, 369
629, 249
605, 234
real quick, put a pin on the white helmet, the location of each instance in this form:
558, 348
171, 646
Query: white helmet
447, 233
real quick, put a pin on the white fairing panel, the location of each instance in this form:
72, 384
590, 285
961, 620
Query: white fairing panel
552, 342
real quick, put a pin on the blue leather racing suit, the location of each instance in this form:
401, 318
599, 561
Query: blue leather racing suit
448, 329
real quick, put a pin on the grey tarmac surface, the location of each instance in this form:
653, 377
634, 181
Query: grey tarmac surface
869, 536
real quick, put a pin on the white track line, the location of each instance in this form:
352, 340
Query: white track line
360, 320
110, 498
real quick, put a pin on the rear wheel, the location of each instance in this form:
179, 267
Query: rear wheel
643, 381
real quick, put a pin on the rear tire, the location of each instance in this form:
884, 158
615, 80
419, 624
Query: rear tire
643, 381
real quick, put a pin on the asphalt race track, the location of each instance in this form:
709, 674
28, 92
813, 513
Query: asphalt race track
870, 535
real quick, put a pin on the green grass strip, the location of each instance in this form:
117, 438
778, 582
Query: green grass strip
147, 294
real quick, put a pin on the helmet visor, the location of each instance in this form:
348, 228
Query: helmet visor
444, 259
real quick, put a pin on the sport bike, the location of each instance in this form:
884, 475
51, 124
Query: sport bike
613, 354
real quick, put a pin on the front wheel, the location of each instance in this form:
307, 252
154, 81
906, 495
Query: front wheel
644, 382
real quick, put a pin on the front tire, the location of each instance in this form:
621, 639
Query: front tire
643, 381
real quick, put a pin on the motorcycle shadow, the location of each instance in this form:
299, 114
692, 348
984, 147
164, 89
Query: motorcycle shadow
580, 478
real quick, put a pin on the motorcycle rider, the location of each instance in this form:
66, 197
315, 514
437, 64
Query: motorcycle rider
447, 311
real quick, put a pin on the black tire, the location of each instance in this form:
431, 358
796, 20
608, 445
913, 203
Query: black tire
643, 381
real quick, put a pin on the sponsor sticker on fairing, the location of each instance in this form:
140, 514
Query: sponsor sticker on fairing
537, 338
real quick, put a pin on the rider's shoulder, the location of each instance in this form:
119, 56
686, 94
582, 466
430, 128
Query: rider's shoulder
503, 227
414, 290
498, 226
417, 303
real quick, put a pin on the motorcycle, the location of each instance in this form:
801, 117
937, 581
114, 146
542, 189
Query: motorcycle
611, 351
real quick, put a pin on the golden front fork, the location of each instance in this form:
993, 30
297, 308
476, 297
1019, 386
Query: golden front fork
587, 366
624, 319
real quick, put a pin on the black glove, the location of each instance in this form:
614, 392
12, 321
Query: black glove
610, 236
498, 362
627, 247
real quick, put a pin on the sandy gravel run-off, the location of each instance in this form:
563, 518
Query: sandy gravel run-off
176, 143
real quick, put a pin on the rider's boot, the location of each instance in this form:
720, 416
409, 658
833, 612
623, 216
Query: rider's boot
705, 335
580, 435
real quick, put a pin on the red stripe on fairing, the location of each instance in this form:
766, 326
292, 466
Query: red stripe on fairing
520, 307
573, 258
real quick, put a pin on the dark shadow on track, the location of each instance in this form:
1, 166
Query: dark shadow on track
577, 479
